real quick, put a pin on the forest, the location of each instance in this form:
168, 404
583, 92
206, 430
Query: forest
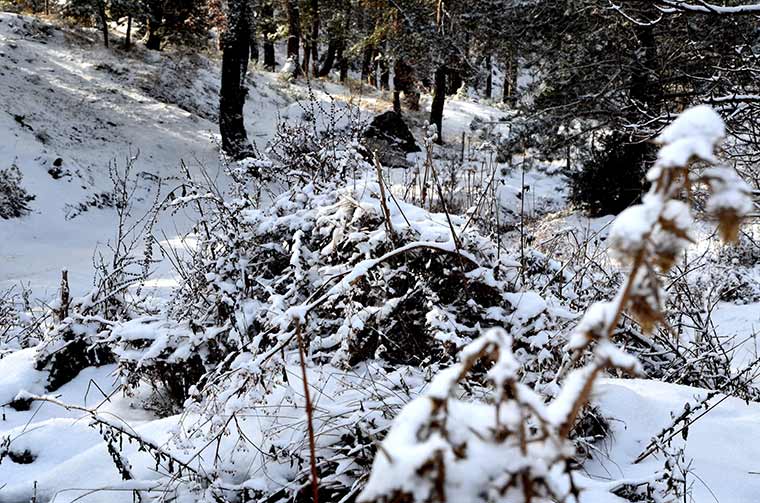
379, 251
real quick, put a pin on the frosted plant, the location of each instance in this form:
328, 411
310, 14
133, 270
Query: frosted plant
444, 449
514, 447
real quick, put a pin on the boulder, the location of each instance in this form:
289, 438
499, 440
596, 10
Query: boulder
389, 135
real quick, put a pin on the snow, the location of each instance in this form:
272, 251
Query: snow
87, 106
737, 325
719, 445
19, 374
692, 135
90, 107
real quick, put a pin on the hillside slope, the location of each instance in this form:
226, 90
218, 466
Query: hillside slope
69, 108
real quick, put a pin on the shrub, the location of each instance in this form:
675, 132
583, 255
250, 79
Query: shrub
613, 178
13, 197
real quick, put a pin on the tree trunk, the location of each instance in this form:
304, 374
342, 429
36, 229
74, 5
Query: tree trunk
396, 101
128, 36
154, 39
103, 21
235, 46
294, 31
404, 82
314, 42
399, 84
268, 30
509, 93
342, 60
327, 64
306, 57
453, 82
269, 62
155, 19
254, 47
439, 99
374, 73
644, 86
367, 64
385, 74
489, 77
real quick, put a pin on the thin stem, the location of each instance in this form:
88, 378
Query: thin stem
309, 417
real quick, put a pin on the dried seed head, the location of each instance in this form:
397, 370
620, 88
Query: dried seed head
646, 311
668, 242
665, 259
730, 201
729, 223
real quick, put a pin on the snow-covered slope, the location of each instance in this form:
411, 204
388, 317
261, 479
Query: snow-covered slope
69, 108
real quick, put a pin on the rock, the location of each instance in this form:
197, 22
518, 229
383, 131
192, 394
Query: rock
391, 127
56, 171
391, 138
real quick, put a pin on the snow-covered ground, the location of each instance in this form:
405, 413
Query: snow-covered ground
720, 446
64, 97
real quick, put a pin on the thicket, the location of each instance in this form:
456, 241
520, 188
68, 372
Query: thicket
389, 351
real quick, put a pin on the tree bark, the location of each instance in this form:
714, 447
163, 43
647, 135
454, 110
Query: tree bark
400, 84
332, 50
439, 99
341, 50
128, 36
103, 21
306, 57
453, 82
385, 73
342, 60
268, 30
367, 64
645, 88
509, 91
235, 47
155, 19
254, 54
404, 82
489, 77
314, 42
294, 31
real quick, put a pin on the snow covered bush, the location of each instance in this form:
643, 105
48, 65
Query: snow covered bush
444, 449
83, 335
380, 292
14, 199
19, 326
343, 342
330, 250
438, 450
324, 144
